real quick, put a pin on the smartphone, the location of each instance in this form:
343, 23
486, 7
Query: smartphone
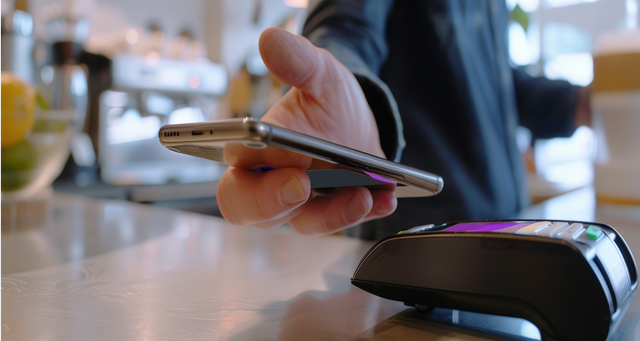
259, 146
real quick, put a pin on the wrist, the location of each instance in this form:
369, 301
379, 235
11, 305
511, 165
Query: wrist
387, 117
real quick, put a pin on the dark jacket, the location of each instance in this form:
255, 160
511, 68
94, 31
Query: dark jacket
437, 76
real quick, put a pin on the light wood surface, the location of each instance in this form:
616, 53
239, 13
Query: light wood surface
114, 270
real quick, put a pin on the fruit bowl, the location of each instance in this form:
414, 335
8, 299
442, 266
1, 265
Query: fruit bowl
32, 164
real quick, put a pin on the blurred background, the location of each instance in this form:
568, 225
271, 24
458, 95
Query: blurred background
108, 74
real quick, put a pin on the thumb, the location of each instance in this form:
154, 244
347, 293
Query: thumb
292, 59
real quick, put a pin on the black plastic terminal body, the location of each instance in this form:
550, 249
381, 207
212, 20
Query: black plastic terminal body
549, 282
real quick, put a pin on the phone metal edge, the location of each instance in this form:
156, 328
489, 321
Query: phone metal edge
284, 138
243, 129
231, 129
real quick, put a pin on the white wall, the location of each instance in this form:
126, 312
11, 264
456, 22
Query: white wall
172, 16
230, 32
595, 17
225, 26
109, 16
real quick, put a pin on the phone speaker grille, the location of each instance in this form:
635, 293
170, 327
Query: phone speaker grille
171, 133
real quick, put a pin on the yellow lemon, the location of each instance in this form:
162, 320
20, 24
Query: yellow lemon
18, 106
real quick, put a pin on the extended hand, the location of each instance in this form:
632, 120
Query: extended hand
325, 101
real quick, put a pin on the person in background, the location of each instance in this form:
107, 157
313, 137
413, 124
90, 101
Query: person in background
424, 83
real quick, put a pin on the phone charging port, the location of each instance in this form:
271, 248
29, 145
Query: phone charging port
197, 132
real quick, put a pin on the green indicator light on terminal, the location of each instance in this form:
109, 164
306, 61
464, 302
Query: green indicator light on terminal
594, 232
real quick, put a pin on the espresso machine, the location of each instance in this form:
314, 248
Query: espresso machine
147, 92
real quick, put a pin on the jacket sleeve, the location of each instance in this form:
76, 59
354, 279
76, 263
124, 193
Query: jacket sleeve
546, 107
354, 32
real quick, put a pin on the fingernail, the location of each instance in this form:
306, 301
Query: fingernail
384, 208
291, 192
356, 208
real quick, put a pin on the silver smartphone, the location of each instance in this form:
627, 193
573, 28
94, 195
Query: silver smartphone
259, 146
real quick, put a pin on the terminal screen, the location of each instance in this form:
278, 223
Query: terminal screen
489, 226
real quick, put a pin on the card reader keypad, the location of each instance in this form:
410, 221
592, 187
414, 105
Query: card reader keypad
586, 234
552, 229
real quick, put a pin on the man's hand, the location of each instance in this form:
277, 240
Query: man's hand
326, 102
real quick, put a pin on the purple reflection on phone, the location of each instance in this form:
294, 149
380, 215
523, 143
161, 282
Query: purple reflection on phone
264, 169
379, 178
